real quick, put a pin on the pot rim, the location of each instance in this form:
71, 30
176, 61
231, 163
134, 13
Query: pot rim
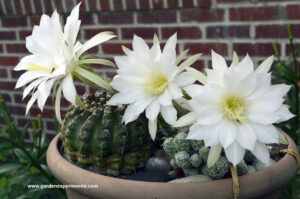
261, 182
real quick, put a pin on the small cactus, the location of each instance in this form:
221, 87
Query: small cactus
197, 145
169, 147
183, 159
203, 152
242, 168
181, 143
173, 164
196, 160
249, 157
97, 136
218, 170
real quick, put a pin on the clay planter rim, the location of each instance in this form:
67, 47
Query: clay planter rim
262, 182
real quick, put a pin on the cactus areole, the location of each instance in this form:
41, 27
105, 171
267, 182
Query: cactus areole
96, 136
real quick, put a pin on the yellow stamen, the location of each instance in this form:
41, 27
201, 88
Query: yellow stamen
157, 84
33, 66
233, 108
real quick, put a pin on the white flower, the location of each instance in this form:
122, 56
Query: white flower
55, 58
149, 79
236, 108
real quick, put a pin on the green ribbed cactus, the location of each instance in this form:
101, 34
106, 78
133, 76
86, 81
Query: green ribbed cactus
97, 136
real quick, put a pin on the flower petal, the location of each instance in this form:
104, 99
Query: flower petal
284, 113
235, 153
246, 136
265, 66
261, 152
165, 99
44, 92
68, 89
213, 155
31, 101
152, 126
134, 110
169, 114
267, 134
187, 119
227, 133
218, 62
175, 91
152, 110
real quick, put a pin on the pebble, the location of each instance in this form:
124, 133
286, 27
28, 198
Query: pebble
251, 169
259, 165
196, 178
157, 164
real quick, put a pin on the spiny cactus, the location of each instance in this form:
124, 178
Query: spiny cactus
96, 136
218, 170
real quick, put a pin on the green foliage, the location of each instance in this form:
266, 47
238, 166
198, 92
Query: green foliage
95, 135
23, 164
288, 72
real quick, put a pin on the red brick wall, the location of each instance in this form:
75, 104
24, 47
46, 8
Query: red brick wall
248, 26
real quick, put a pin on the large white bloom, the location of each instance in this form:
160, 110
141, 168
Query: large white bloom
236, 108
55, 56
149, 79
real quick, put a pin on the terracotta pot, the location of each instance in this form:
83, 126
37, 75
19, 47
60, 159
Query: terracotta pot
263, 184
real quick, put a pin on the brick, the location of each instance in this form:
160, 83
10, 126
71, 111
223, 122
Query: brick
16, 48
18, 98
3, 73
116, 49
23, 34
228, 32
8, 6
256, 49
34, 20
15, 74
206, 48
104, 5
288, 48
38, 6
46, 113
292, 11
254, 13
8, 86
1, 48
93, 5
200, 15
271, 31
7, 35
89, 33
69, 5
182, 32
28, 8
58, 6
86, 19
115, 18
6, 97
144, 4
18, 7
172, 3
199, 65
130, 5
14, 22
118, 5
8, 61
165, 16
48, 6
188, 3
82, 7
16, 110
50, 126
203, 3
157, 4
231, 1
146, 33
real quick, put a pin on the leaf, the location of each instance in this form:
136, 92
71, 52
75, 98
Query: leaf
6, 168
24, 131
20, 154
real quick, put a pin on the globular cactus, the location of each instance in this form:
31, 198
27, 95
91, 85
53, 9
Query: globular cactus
218, 170
203, 152
183, 159
96, 136
242, 168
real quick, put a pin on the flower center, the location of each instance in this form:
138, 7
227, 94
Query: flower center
233, 108
157, 84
